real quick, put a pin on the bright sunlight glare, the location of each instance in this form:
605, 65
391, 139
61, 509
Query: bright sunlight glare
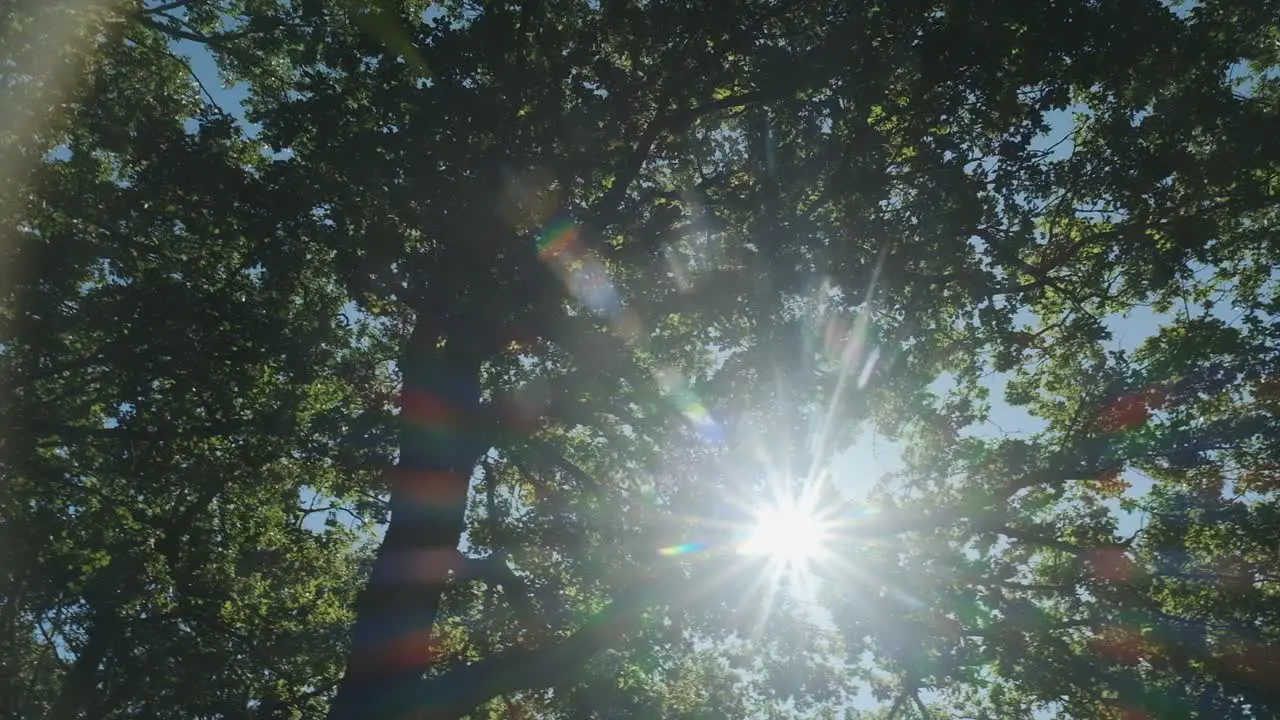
789, 533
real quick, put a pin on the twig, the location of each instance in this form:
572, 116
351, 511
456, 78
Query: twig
165, 7
199, 82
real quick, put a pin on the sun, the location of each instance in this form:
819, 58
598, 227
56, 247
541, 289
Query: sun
790, 533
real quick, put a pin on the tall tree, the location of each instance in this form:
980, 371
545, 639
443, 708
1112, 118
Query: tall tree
641, 261
177, 381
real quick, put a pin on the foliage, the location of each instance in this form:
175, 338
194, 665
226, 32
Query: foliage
174, 385
632, 263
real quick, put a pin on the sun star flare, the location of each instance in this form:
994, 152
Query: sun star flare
792, 534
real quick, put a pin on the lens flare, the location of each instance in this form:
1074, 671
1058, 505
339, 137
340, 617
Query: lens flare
683, 549
587, 279
791, 533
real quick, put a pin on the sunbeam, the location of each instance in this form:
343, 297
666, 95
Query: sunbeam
786, 533
792, 533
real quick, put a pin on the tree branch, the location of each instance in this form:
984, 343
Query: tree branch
458, 691
199, 83
178, 33
174, 29
897, 705
608, 208
924, 711
543, 453
1044, 540
80, 681
165, 7
496, 571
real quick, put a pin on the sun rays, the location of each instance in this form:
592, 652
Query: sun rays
781, 535
791, 533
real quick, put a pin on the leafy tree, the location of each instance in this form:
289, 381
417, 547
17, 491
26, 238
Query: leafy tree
177, 380
634, 263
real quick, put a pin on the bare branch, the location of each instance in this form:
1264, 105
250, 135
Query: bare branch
165, 7
200, 83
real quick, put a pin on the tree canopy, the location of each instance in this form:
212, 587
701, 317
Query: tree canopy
453, 359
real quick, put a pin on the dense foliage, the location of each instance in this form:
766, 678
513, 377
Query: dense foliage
442, 373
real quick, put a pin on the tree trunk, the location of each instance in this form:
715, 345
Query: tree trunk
440, 444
